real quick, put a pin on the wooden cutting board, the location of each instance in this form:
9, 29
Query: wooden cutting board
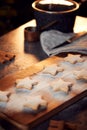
54, 106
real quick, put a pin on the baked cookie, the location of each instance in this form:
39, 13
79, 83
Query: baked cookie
61, 85
4, 96
73, 58
53, 69
35, 102
60, 68
81, 74
26, 83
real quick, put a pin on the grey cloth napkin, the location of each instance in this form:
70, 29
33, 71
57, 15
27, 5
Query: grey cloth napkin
52, 38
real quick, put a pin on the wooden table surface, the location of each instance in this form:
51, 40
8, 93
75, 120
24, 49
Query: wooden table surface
27, 53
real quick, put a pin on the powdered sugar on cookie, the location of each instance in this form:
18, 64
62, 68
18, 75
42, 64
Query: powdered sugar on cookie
73, 58
34, 102
81, 74
53, 69
4, 96
26, 83
61, 85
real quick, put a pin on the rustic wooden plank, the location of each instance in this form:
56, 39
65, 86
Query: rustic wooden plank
31, 70
53, 105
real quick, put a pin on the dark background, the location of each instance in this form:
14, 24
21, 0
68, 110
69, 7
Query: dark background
14, 13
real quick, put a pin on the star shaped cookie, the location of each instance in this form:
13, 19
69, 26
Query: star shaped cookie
81, 74
73, 58
60, 85
26, 83
4, 96
34, 102
53, 69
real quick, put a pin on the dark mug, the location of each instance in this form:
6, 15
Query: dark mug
62, 15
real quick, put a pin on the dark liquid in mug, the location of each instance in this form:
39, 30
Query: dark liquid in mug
55, 7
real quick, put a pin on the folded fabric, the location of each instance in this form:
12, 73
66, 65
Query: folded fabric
50, 39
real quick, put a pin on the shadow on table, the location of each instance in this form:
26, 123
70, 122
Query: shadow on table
35, 49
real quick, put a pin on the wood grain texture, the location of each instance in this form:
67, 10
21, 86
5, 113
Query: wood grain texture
54, 106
